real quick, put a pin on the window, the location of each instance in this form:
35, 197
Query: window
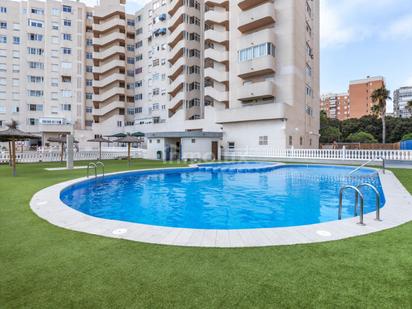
37, 11
35, 51
67, 23
16, 27
66, 51
67, 9
66, 107
89, 69
35, 37
54, 82
35, 93
16, 54
36, 65
3, 25
119, 124
16, 40
89, 82
258, 51
290, 140
263, 141
3, 9
36, 23
55, 11
89, 96
89, 109
66, 65
231, 145
301, 141
89, 42
3, 39
66, 93
67, 37
89, 55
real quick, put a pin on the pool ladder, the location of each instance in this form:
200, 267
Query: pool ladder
359, 195
95, 166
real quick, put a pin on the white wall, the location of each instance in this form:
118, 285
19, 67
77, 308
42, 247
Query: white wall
246, 134
201, 149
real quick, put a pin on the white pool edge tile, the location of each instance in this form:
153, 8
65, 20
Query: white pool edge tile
397, 211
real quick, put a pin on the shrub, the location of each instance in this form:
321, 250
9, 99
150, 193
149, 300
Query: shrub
407, 137
362, 137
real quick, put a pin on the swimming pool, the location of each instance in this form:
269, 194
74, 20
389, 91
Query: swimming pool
284, 196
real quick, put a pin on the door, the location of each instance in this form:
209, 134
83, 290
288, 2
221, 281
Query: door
215, 150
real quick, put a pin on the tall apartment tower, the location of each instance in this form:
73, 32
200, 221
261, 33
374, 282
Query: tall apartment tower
42, 61
360, 92
247, 69
113, 67
401, 97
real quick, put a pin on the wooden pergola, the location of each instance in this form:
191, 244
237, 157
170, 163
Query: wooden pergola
100, 140
13, 135
62, 140
129, 140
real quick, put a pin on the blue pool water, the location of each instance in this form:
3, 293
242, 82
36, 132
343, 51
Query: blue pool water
192, 198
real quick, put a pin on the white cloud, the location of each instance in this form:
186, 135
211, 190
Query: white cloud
333, 30
401, 28
408, 81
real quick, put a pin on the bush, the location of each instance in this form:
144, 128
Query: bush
362, 137
407, 137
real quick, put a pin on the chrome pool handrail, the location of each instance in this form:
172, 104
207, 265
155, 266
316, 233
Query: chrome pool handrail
357, 196
378, 198
91, 164
102, 165
358, 168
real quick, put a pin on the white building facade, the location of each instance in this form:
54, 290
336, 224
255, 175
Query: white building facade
184, 72
247, 70
401, 97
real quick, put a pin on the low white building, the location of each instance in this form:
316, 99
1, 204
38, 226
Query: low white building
188, 145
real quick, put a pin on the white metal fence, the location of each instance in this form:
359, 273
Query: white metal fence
318, 154
55, 156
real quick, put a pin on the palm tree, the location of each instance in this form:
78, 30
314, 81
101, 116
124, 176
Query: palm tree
379, 97
409, 107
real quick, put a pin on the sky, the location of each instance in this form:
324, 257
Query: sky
359, 38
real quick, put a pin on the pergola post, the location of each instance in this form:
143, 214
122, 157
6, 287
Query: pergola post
13, 145
10, 155
128, 151
70, 155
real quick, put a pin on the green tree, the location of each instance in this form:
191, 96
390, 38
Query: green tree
362, 137
409, 106
330, 135
407, 137
379, 97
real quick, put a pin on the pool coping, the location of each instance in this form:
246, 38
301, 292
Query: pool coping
398, 210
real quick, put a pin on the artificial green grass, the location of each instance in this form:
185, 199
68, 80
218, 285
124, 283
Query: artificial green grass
43, 266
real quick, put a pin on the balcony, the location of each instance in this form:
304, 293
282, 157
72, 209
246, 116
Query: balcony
218, 56
257, 91
114, 22
221, 37
108, 108
108, 80
116, 36
220, 96
258, 17
220, 17
259, 66
109, 52
248, 4
108, 94
217, 75
109, 66
254, 112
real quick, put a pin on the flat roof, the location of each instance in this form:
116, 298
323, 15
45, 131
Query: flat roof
367, 80
185, 134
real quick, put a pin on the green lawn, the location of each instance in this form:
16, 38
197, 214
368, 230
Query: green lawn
43, 266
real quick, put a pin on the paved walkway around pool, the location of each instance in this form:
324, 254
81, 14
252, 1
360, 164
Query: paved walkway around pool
398, 210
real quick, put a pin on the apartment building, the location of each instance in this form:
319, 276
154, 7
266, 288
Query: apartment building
401, 97
64, 67
356, 103
245, 71
360, 92
191, 74
336, 105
